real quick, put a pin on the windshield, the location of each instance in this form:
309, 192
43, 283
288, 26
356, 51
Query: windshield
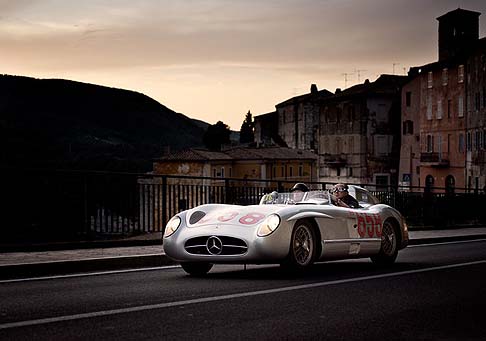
312, 197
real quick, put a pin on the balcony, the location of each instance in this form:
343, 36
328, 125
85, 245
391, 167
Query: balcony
335, 161
434, 160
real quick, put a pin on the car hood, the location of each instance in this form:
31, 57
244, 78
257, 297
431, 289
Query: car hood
245, 216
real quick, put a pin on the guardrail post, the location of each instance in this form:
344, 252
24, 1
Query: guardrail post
164, 202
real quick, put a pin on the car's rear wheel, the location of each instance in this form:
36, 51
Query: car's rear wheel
389, 245
196, 268
303, 248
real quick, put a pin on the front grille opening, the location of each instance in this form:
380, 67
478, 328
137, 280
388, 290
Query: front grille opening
231, 246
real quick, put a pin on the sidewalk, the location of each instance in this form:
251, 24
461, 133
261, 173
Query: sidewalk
103, 258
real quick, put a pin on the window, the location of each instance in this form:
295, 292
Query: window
439, 145
449, 105
477, 140
445, 77
382, 181
429, 108
450, 184
408, 98
351, 113
430, 80
214, 172
274, 172
291, 171
429, 183
230, 172
439, 109
477, 101
484, 139
301, 170
338, 146
460, 106
350, 171
468, 141
351, 145
222, 172
460, 74
282, 171
430, 144
461, 143
382, 145
408, 127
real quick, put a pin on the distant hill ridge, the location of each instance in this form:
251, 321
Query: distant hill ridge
67, 124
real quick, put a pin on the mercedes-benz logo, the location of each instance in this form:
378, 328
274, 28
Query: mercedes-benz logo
214, 245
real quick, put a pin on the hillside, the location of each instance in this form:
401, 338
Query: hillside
58, 123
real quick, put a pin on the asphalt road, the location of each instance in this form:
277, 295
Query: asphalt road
433, 292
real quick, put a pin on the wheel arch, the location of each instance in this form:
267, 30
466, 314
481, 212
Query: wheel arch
317, 232
396, 227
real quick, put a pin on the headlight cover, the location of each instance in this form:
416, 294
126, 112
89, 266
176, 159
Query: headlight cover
172, 226
269, 225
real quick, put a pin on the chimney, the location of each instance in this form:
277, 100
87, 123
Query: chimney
338, 91
313, 89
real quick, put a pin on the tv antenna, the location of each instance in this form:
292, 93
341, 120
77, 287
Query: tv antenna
358, 72
346, 74
395, 64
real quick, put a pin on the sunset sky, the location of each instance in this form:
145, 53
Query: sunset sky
216, 59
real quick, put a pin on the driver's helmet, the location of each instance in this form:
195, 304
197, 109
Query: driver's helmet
300, 187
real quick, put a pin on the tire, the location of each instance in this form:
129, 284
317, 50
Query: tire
303, 247
389, 245
197, 268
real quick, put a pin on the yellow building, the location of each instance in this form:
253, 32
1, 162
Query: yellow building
270, 163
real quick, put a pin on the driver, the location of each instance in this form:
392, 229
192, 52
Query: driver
298, 191
342, 196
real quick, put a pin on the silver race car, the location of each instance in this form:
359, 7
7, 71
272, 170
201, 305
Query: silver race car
291, 229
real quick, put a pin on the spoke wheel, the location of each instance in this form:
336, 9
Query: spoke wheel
196, 268
389, 245
302, 246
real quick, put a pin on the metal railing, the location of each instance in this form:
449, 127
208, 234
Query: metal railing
62, 205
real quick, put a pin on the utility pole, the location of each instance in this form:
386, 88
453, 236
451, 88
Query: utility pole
359, 74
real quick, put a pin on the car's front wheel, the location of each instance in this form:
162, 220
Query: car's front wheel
303, 248
196, 268
389, 245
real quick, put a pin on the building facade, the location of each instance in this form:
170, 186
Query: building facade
441, 111
359, 133
298, 119
476, 118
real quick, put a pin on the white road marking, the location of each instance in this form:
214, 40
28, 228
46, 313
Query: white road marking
87, 274
224, 297
447, 243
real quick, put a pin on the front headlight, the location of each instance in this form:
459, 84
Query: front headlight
269, 225
172, 226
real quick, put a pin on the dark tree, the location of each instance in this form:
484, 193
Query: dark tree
216, 135
247, 134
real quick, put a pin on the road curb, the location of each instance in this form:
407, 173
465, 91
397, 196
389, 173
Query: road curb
15, 271
65, 267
